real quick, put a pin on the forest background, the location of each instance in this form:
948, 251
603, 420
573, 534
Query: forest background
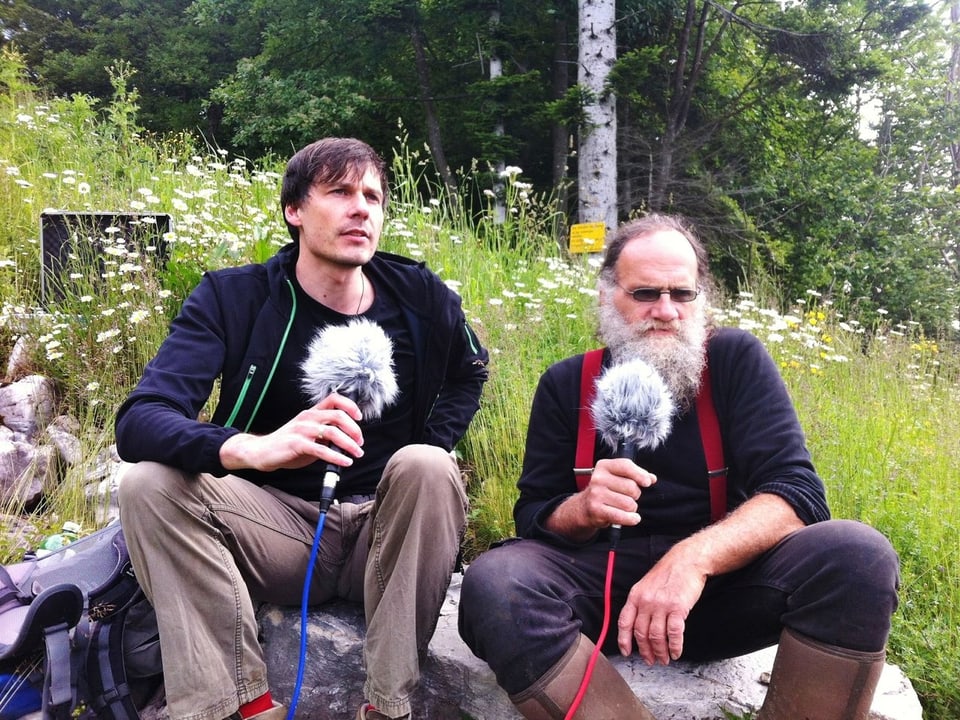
817, 144
835, 237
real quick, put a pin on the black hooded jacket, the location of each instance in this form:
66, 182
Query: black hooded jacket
228, 338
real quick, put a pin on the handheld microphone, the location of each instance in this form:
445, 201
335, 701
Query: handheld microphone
354, 360
632, 410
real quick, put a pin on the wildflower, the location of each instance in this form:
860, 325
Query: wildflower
105, 335
93, 386
83, 188
510, 171
138, 316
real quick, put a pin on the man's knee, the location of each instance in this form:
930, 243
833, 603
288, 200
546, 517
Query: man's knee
138, 480
146, 488
424, 468
501, 589
851, 593
862, 557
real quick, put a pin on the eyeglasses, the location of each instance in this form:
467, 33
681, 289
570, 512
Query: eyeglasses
651, 295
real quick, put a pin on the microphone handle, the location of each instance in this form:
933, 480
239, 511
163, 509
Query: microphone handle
331, 476
625, 449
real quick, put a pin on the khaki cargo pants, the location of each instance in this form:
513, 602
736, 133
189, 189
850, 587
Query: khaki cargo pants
206, 549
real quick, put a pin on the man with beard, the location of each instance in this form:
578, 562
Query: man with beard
775, 568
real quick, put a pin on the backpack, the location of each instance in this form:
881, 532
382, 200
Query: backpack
78, 638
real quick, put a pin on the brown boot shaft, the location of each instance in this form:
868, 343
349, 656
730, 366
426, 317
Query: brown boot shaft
608, 697
815, 681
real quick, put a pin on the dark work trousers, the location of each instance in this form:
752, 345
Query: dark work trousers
524, 602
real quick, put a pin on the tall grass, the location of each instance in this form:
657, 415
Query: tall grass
880, 404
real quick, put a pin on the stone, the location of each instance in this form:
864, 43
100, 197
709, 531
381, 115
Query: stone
27, 405
456, 685
62, 433
20, 485
18, 363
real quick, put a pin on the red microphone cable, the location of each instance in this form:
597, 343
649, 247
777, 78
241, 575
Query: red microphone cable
607, 589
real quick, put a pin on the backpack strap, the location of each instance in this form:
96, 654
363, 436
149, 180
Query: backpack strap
107, 686
52, 615
706, 417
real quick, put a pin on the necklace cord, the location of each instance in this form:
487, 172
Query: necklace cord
363, 290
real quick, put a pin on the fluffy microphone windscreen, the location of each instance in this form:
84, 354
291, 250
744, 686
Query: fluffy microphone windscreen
632, 406
355, 360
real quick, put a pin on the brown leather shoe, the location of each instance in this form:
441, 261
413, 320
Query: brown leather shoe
369, 712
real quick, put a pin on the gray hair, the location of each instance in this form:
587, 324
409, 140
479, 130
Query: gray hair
649, 224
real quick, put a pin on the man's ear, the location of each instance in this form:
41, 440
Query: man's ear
602, 294
292, 215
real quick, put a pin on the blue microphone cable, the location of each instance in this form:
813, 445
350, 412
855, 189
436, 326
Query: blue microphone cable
330, 479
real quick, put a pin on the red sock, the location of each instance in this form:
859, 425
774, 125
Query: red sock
257, 705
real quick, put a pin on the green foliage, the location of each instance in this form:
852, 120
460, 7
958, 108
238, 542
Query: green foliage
287, 111
878, 398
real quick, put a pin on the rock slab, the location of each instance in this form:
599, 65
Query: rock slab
457, 686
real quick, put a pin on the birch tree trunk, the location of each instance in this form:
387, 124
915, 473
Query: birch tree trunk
953, 89
496, 71
597, 153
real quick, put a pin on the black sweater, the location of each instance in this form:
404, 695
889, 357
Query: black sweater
764, 446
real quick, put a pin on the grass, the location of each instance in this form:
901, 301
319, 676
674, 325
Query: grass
879, 405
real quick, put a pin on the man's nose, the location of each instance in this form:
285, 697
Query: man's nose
361, 205
664, 308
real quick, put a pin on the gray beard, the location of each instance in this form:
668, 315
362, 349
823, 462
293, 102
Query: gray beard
679, 359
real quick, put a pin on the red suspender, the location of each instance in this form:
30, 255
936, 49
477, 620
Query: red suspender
586, 433
709, 434
712, 448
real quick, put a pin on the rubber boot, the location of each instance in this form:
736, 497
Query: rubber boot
815, 681
608, 697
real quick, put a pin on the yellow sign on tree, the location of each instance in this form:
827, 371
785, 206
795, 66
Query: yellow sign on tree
587, 237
